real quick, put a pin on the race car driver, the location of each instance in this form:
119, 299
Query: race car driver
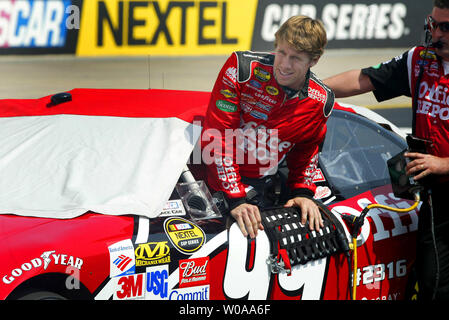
266, 107
423, 74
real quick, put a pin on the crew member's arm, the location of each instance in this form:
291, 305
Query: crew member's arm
425, 164
387, 80
349, 83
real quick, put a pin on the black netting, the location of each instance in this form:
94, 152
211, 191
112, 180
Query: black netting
302, 245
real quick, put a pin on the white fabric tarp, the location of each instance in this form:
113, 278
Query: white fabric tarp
62, 166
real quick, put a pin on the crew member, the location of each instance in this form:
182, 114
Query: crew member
266, 107
429, 90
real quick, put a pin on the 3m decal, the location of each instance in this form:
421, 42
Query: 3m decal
130, 287
185, 236
164, 27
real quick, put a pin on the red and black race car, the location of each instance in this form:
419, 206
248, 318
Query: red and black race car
101, 198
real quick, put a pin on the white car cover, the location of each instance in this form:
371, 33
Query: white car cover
61, 166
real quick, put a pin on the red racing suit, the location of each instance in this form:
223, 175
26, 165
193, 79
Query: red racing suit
253, 123
399, 77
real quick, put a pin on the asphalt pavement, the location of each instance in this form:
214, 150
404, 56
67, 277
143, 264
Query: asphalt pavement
27, 77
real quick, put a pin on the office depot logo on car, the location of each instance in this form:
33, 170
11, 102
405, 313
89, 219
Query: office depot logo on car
193, 272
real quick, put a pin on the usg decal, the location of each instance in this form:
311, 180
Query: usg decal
185, 236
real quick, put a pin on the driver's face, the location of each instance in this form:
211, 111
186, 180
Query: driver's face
291, 66
441, 15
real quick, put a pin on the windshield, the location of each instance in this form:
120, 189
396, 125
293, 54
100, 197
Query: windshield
355, 153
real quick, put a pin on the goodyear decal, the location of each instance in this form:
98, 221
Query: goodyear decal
185, 236
164, 27
34, 23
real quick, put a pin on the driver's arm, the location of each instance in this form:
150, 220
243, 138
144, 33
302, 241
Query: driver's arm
223, 172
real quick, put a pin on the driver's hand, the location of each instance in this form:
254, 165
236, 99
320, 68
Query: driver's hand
248, 219
309, 211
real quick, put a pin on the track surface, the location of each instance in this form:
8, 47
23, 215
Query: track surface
37, 76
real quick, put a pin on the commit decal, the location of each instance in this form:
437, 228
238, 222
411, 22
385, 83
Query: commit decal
110, 27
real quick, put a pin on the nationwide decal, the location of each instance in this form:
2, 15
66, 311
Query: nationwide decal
193, 272
122, 259
46, 259
185, 236
164, 27
152, 253
33, 23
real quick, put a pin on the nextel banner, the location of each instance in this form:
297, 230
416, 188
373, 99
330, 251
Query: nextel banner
198, 27
349, 24
165, 27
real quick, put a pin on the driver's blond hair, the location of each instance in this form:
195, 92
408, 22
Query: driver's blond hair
304, 34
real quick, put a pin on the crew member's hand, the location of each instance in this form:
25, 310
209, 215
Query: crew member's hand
248, 218
426, 164
309, 211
